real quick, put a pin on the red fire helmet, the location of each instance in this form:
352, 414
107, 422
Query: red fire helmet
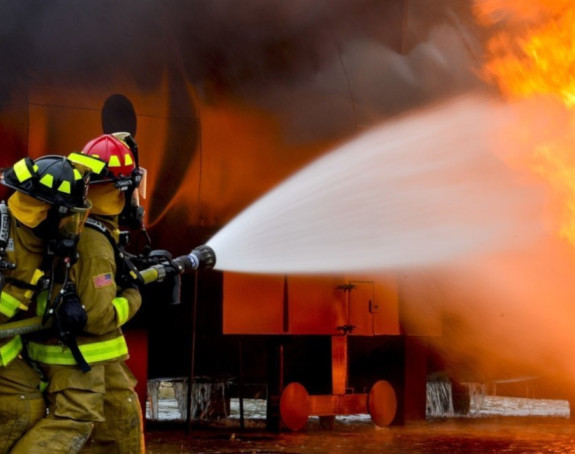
113, 149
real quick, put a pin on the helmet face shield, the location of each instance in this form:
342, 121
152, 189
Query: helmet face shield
72, 224
135, 199
132, 216
65, 237
141, 182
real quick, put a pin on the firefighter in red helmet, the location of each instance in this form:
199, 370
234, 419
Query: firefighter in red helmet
96, 407
120, 152
38, 233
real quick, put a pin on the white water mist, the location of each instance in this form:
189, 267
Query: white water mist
422, 189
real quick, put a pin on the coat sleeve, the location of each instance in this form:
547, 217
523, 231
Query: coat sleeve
14, 300
107, 306
9, 305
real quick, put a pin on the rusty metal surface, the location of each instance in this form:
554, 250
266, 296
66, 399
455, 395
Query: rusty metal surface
259, 304
338, 404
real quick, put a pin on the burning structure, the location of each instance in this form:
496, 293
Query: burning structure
225, 106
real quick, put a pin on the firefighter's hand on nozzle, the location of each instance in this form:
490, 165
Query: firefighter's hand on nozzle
202, 258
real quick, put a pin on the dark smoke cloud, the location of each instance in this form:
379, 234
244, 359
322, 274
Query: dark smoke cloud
326, 67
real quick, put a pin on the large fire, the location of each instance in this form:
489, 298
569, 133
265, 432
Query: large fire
532, 54
518, 305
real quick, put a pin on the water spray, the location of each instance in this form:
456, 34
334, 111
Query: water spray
424, 189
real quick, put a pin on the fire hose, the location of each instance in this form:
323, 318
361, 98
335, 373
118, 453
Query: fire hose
200, 258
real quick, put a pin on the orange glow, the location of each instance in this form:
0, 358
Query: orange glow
510, 312
242, 155
534, 56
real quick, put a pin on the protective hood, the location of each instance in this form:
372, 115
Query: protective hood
28, 210
106, 199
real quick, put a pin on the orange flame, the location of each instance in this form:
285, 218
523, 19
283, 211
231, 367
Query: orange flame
532, 54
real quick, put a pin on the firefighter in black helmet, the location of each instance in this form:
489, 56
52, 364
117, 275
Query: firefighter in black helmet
41, 222
53, 191
96, 406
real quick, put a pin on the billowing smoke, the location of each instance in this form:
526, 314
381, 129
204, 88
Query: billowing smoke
326, 67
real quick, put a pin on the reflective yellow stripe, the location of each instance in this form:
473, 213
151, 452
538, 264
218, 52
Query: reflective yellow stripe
21, 170
41, 302
47, 180
8, 304
10, 350
64, 187
91, 163
114, 162
93, 353
128, 159
122, 309
35, 278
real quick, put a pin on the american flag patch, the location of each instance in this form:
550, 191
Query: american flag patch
103, 280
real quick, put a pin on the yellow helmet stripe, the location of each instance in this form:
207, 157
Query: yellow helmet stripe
65, 187
87, 162
128, 159
21, 170
114, 162
47, 180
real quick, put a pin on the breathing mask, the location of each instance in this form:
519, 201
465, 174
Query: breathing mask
61, 230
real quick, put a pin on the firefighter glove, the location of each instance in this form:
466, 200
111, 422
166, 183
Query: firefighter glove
72, 314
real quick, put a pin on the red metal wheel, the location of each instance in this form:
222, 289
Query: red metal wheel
294, 406
382, 403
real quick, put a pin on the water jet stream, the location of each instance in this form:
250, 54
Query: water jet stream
422, 189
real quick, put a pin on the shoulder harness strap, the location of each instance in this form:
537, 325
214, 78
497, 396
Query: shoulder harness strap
100, 227
4, 238
124, 266
4, 228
